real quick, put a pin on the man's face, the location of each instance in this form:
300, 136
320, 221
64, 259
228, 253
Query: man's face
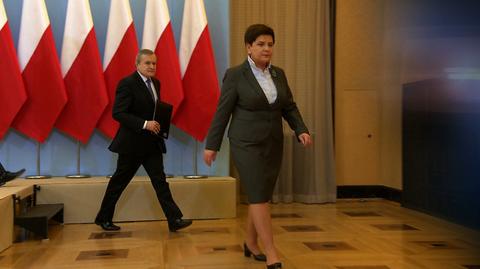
147, 65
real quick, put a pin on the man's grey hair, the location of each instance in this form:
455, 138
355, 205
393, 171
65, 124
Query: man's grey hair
141, 53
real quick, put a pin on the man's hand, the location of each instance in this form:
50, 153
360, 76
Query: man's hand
209, 156
153, 126
305, 139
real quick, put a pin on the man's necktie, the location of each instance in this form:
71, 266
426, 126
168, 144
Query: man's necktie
149, 86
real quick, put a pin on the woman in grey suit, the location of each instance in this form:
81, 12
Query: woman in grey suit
256, 96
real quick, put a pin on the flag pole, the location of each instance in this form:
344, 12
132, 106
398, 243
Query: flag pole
110, 175
78, 174
166, 175
195, 166
38, 175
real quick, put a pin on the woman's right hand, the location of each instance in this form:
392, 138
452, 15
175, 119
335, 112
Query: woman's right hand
209, 156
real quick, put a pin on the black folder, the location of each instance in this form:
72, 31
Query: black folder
163, 115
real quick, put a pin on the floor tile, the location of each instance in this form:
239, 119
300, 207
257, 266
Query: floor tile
110, 235
102, 254
362, 214
336, 245
301, 228
395, 227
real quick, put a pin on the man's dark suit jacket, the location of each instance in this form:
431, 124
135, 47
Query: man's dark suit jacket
133, 106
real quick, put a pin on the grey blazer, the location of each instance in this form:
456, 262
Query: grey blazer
253, 119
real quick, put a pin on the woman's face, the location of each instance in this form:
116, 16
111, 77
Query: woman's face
261, 50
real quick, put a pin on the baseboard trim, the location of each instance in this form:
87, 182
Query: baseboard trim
369, 191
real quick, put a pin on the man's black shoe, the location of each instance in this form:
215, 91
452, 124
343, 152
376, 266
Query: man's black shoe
7, 176
108, 226
178, 224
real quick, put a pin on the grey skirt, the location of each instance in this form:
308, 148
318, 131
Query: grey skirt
258, 164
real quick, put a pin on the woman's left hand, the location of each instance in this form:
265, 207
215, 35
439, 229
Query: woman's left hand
209, 156
305, 139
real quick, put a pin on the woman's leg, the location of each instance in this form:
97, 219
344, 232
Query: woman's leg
260, 214
252, 236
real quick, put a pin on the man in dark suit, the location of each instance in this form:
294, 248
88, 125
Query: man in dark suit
138, 142
6, 176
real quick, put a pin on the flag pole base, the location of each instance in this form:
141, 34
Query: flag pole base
195, 176
166, 176
78, 176
38, 176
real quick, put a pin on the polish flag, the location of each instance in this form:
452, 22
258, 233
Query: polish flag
121, 48
199, 76
158, 36
12, 91
41, 73
82, 72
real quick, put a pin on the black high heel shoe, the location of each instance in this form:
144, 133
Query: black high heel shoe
258, 257
277, 265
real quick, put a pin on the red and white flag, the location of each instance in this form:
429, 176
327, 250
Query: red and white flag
82, 72
121, 48
41, 73
12, 91
199, 76
158, 36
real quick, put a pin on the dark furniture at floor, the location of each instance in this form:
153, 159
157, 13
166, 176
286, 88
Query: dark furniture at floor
441, 149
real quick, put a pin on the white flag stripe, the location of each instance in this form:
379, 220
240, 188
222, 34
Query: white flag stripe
194, 22
154, 24
3, 15
77, 26
34, 12
119, 20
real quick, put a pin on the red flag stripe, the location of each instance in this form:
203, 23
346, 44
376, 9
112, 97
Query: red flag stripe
168, 69
121, 65
201, 90
11, 83
87, 95
45, 89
